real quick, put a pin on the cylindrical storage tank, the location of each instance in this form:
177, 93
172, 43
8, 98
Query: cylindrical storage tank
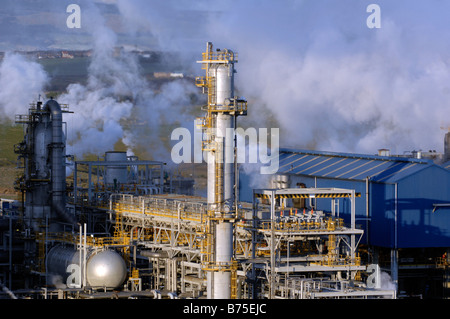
224, 254
225, 127
105, 269
224, 83
37, 201
116, 173
211, 173
64, 262
222, 285
210, 158
224, 242
225, 133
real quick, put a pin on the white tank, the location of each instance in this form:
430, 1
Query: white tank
224, 254
224, 122
106, 269
224, 83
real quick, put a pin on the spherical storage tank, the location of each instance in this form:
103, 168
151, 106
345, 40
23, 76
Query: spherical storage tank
104, 269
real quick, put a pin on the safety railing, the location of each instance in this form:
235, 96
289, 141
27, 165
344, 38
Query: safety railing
162, 207
94, 241
334, 260
286, 224
223, 56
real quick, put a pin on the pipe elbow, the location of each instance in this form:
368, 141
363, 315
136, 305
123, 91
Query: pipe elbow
54, 108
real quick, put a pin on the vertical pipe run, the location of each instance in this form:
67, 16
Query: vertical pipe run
394, 251
272, 245
84, 256
58, 170
79, 255
353, 225
367, 210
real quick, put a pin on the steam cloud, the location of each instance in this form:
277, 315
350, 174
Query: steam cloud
16, 73
115, 92
117, 103
332, 83
312, 68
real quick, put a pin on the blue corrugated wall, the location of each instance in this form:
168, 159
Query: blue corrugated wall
418, 225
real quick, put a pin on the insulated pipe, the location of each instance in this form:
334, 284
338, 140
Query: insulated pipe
225, 127
154, 254
104, 269
58, 173
6, 290
57, 165
224, 230
224, 254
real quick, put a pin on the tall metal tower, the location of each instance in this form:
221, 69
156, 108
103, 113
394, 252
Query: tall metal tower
219, 142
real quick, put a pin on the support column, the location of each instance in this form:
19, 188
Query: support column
394, 266
446, 276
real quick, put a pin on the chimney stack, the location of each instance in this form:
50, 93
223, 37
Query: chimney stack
447, 147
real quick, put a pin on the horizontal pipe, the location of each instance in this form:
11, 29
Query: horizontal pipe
153, 254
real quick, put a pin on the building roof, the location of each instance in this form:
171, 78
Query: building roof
348, 166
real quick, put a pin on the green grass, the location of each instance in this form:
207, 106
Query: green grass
10, 134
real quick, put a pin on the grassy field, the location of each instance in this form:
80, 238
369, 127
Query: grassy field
10, 134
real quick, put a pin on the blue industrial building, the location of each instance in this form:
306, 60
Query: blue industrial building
403, 203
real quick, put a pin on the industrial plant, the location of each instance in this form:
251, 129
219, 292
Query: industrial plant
328, 225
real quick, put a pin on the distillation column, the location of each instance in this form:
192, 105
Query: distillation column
44, 180
219, 126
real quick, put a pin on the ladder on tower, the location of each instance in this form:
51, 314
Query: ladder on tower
219, 159
233, 283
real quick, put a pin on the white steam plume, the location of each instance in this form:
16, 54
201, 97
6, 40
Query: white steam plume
118, 103
386, 281
313, 68
332, 83
21, 82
